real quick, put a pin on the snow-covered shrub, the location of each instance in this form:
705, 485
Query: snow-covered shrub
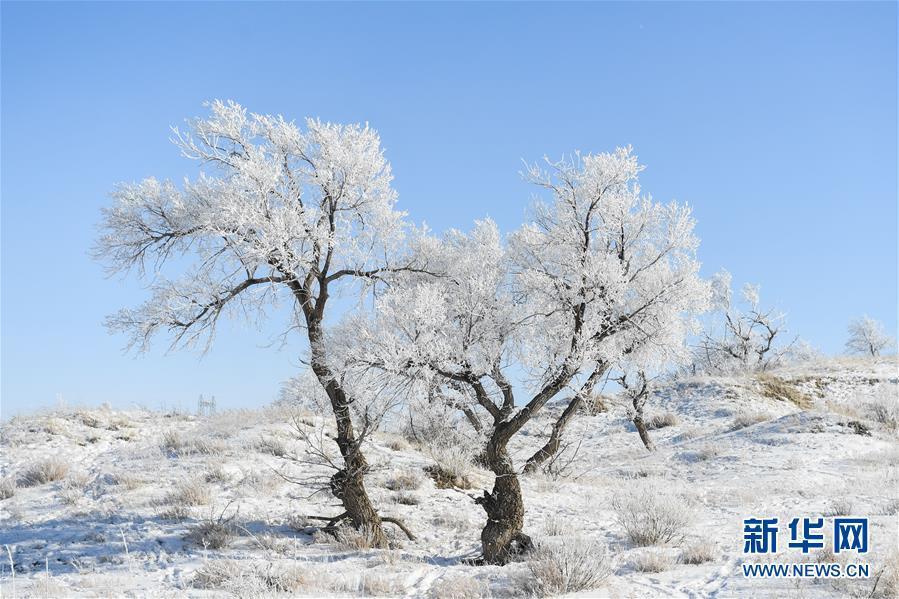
555, 526
178, 444
211, 534
243, 579
651, 561
273, 446
883, 408
7, 487
651, 514
189, 492
44, 471
577, 564
459, 587
698, 552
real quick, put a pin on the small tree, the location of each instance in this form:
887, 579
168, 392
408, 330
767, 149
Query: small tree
599, 271
282, 213
866, 336
748, 337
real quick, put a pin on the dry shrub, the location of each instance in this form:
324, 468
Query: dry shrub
272, 446
597, 404
651, 561
251, 580
353, 539
452, 468
459, 587
397, 443
178, 444
651, 514
746, 418
577, 564
189, 493
698, 552
407, 480
212, 534
126, 480
8, 487
216, 473
661, 420
838, 507
883, 409
554, 526
406, 499
262, 482
775, 387
43, 472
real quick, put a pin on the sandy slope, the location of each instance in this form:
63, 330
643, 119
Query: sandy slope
108, 527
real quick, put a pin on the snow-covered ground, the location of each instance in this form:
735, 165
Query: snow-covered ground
125, 518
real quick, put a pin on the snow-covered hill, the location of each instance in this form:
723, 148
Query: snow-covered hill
138, 503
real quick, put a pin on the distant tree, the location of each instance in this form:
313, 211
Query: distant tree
282, 213
600, 271
747, 337
866, 336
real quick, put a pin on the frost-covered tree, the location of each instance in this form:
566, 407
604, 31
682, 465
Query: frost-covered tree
279, 213
866, 336
746, 337
600, 270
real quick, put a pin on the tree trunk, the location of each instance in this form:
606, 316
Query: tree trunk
639, 399
643, 432
348, 484
555, 437
502, 537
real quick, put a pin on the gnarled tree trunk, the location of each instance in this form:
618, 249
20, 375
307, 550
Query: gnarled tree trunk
502, 537
638, 395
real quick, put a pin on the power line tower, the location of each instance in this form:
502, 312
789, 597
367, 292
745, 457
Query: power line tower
206, 407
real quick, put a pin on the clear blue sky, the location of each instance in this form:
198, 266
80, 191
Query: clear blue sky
777, 122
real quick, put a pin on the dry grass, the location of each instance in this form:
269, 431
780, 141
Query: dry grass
404, 498
661, 420
578, 564
775, 387
43, 472
211, 534
747, 418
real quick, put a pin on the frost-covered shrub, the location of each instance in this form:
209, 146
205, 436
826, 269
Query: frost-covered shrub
179, 444
459, 587
577, 564
243, 579
355, 539
272, 446
407, 480
452, 467
43, 472
7, 487
698, 552
189, 493
651, 561
651, 514
883, 408
211, 534
746, 418
661, 420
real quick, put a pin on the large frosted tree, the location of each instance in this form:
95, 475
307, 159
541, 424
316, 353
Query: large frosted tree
278, 212
601, 276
